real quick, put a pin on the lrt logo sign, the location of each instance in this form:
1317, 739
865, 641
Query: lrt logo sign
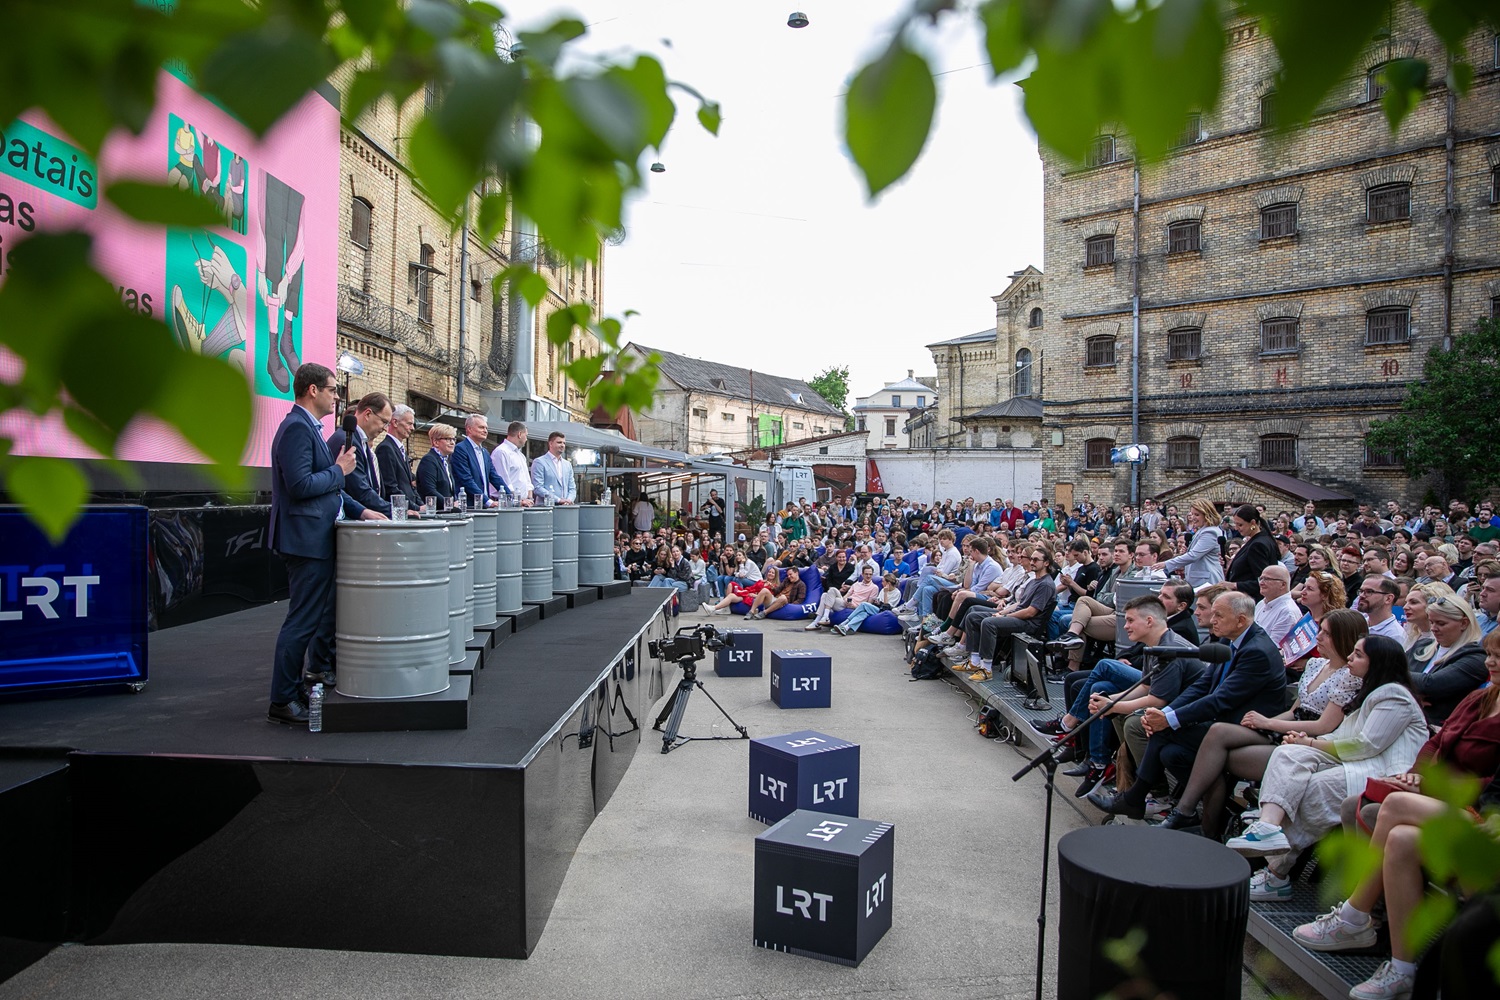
773, 788
738, 655
875, 896
802, 901
42, 587
805, 683
811, 741
828, 791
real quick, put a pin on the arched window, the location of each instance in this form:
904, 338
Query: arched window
1374, 85
1278, 220
1184, 237
1278, 335
1184, 343
1101, 152
424, 285
1268, 110
1182, 453
1099, 250
1278, 451
1388, 203
1035, 319
1096, 453
1023, 372
360, 223
1099, 352
1388, 325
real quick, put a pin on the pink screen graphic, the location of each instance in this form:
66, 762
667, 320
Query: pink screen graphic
258, 290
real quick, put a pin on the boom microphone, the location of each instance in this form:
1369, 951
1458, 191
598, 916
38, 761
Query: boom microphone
1209, 652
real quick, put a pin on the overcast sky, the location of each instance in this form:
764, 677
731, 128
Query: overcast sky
758, 248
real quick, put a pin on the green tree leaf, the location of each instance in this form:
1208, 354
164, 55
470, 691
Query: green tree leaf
710, 116
1427, 921
260, 74
50, 490
1350, 859
1405, 86
161, 205
1007, 36
832, 383
492, 209
1317, 42
888, 115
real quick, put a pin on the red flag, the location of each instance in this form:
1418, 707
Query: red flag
872, 477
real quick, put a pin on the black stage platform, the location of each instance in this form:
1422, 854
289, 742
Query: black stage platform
182, 815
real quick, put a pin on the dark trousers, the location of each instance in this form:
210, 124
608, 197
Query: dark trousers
956, 615
308, 629
942, 604
1169, 751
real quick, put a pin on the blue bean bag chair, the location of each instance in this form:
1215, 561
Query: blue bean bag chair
880, 623
794, 612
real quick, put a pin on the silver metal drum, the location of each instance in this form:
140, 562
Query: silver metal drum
466, 526
596, 544
484, 566
564, 548
458, 562
391, 618
508, 560
536, 554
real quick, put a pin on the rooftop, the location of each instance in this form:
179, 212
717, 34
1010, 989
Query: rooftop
727, 380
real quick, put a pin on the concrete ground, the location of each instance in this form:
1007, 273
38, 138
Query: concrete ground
657, 902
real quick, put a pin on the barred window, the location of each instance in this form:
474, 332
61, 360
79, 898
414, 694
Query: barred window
1391, 325
1278, 335
1278, 220
1182, 237
1192, 130
1099, 250
1381, 457
1388, 203
1374, 85
1495, 186
1101, 152
1099, 352
1096, 453
1184, 343
360, 223
1035, 320
1268, 110
1278, 451
1182, 453
424, 286
1023, 372
1495, 307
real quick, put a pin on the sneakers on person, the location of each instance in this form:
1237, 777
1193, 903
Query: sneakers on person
957, 654
1067, 641
812, 626
1250, 815
1266, 887
1387, 984
945, 640
1159, 807
1331, 933
1260, 839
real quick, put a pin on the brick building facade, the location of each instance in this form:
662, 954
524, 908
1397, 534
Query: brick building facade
401, 283
1287, 286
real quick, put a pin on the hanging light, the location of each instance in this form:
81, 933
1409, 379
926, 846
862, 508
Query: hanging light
658, 167
797, 20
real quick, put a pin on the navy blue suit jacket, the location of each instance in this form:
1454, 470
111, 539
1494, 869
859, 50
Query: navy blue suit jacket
359, 484
395, 472
306, 489
430, 479
1254, 681
472, 478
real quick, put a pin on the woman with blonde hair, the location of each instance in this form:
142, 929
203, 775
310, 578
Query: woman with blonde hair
1448, 666
1321, 593
1202, 564
1418, 630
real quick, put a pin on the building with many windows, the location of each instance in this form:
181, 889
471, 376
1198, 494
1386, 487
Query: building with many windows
883, 415
1259, 298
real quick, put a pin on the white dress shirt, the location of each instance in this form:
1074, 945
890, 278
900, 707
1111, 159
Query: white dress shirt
1277, 616
511, 464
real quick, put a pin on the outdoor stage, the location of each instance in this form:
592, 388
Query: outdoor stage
181, 815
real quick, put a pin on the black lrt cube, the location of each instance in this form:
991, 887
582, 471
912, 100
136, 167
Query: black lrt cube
823, 886
746, 658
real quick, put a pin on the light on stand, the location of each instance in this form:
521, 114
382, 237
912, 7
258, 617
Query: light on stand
1130, 454
349, 364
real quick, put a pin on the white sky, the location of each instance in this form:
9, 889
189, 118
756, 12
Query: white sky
758, 248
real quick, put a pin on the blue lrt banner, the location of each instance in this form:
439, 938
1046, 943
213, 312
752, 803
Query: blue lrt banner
73, 615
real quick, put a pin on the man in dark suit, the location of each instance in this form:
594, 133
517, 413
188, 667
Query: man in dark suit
307, 497
371, 415
396, 477
473, 472
1254, 680
435, 471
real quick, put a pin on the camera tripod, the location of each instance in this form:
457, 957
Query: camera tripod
671, 715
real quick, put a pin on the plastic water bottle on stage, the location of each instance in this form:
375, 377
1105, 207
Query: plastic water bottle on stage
315, 709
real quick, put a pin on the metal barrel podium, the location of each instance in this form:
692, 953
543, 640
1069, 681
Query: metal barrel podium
596, 544
391, 617
536, 554
465, 526
508, 560
458, 561
484, 566
564, 548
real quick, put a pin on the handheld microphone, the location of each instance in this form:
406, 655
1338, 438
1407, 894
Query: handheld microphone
350, 426
1209, 652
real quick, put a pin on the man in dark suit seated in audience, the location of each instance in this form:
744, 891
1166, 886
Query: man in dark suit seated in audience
435, 471
393, 461
1254, 680
371, 414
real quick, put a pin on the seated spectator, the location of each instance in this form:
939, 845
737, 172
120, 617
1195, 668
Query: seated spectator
1145, 567
1276, 612
984, 631
1377, 599
1488, 598
864, 597
1254, 680
1414, 605
1451, 664
944, 574
836, 582
1435, 569
673, 571
776, 595
638, 562
1327, 688
1470, 743
1320, 593
1095, 618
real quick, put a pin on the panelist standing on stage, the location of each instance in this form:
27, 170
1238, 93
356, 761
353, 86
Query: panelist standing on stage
306, 498
509, 459
435, 471
371, 414
552, 475
472, 471
395, 465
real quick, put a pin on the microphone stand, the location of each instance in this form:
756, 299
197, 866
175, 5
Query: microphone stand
1048, 759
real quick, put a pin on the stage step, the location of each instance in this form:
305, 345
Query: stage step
578, 598
620, 588
550, 608
445, 710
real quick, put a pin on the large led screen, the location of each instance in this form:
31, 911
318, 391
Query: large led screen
258, 289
